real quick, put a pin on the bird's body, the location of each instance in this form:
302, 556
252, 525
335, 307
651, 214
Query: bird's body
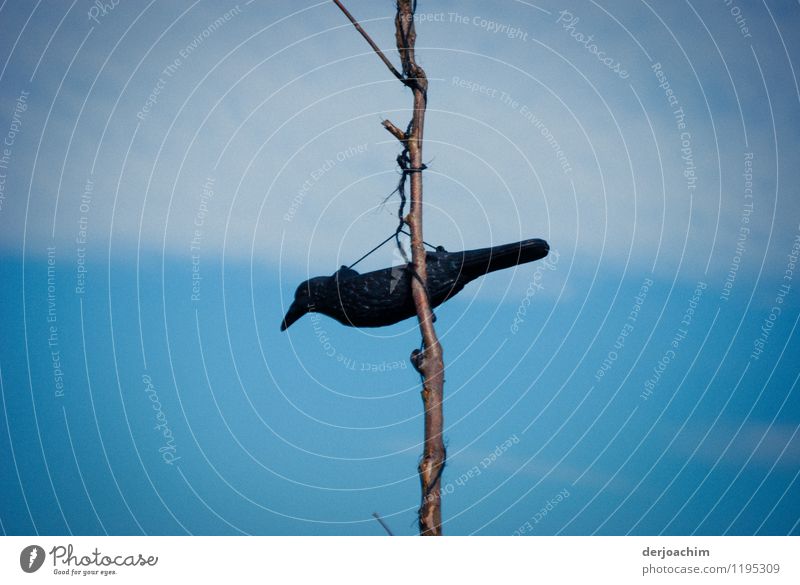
383, 297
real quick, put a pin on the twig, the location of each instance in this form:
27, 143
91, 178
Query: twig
370, 41
385, 526
394, 130
430, 362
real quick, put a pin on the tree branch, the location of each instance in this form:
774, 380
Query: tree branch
372, 44
429, 362
382, 523
394, 131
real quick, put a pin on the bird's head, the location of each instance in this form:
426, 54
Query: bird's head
304, 298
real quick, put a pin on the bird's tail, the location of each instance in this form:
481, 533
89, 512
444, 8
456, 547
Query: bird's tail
483, 260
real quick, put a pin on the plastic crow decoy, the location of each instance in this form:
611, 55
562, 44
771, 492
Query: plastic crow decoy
383, 297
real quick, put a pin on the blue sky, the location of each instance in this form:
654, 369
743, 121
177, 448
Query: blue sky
180, 167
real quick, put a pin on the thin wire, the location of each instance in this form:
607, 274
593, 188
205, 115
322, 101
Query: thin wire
431, 246
376, 248
371, 251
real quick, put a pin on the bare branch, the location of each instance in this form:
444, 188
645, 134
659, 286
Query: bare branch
429, 362
372, 44
385, 526
394, 130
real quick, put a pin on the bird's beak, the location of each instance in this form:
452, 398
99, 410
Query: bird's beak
293, 314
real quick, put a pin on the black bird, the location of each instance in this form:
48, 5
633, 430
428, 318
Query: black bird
383, 297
